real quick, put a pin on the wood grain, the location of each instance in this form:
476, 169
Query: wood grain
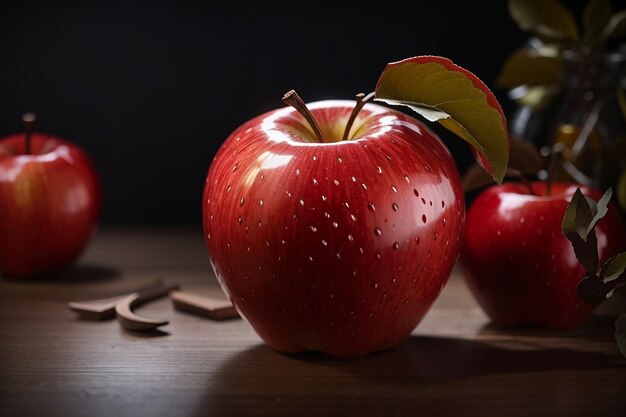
52, 363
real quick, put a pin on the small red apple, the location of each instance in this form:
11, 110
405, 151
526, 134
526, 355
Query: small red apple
517, 262
49, 204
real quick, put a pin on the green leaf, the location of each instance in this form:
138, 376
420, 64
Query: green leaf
441, 91
616, 26
614, 267
547, 18
578, 216
525, 67
596, 16
601, 208
591, 290
620, 333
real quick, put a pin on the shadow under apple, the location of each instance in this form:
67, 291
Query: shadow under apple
599, 327
425, 375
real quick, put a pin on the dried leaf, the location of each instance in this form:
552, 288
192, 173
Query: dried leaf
441, 91
476, 177
548, 18
578, 216
525, 157
614, 267
620, 333
525, 67
596, 16
591, 290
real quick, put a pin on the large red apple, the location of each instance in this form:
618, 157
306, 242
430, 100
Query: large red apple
517, 262
339, 247
49, 204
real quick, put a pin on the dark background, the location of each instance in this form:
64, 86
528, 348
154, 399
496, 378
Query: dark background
150, 90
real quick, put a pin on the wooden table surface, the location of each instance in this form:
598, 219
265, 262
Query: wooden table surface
55, 364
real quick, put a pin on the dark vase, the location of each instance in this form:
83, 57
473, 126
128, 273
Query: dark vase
586, 118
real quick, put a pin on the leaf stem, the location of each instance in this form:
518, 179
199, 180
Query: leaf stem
361, 99
28, 121
292, 99
556, 156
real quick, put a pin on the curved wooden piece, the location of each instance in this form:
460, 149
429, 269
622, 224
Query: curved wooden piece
131, 321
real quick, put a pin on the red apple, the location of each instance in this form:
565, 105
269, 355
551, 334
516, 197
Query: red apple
338, 247
517, 262
49, 204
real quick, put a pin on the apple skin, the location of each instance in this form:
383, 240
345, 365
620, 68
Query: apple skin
516, 261
50, 203
334, 247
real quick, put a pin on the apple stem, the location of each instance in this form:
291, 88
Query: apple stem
510, 172
292, 99
28, 121
361, 99
555, 159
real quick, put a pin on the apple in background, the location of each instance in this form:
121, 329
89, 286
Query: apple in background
339, 247
49, 203
518, 264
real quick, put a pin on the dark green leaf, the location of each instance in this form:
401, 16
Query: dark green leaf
586, 251
525, 67
578, 216
595, 18
614, 267
616, 26
548, 18
441, 91
593, 206
591, 290
601, 208
620, 333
